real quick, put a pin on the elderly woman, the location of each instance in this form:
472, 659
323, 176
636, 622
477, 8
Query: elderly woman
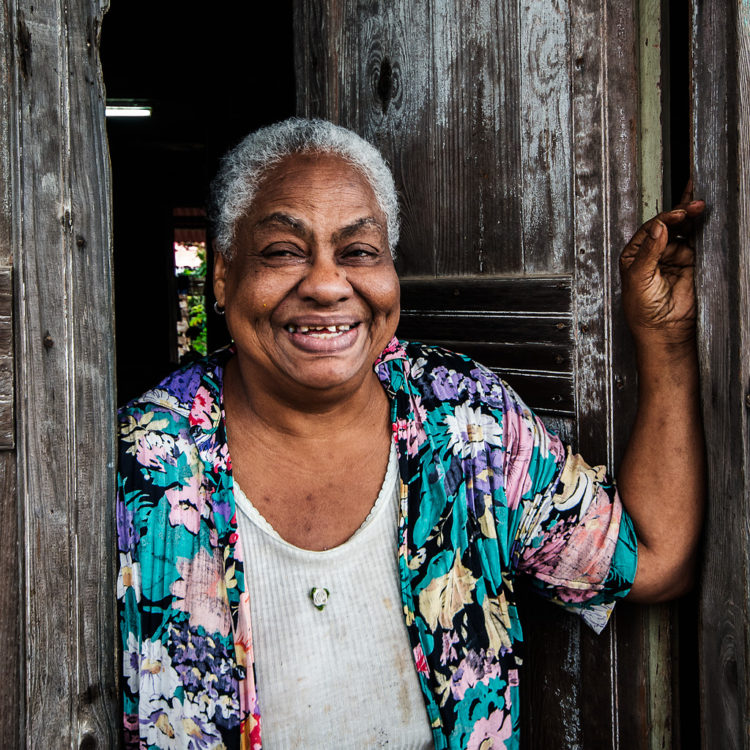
382, 497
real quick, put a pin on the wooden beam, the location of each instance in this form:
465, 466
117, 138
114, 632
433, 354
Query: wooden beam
11, 729
721, 146
65, 375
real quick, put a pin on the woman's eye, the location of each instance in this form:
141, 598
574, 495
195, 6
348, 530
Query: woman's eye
357, 252
279, 251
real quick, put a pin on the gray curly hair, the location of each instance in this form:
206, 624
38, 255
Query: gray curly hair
242, 169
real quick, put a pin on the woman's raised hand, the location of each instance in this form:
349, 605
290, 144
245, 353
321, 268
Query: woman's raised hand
657, 277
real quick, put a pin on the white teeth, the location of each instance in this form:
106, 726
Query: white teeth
319, 331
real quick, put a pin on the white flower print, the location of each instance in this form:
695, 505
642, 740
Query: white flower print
158, 678
470, 429
129, 576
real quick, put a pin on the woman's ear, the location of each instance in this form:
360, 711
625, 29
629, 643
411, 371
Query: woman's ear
221, 267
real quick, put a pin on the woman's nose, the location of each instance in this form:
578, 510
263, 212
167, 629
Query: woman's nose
325, 282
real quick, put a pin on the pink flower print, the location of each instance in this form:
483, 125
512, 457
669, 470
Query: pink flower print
411, 430
243, 645
576, 557
154, 449
490, 733
188, 504
202, 412
412, 433
201, 592
520, 443
420, 661
588, 554
475, 668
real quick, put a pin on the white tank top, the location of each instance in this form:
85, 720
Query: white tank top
340, 674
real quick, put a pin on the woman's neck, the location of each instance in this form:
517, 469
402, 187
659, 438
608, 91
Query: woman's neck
299, 412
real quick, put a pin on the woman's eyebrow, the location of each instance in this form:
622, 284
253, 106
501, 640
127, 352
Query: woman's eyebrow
354, 227
279, 217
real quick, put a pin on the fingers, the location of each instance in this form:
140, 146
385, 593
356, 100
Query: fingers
646, 235
646, 247
682, 212
687, 193
671, 219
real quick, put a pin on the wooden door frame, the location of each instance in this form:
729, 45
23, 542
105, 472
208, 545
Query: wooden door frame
721, 156
58, 559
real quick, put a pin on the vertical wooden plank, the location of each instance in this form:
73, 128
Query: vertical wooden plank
546, 158
592, 300
721, 146
11, 729
605, 107
645, 634
65, 376
476, 86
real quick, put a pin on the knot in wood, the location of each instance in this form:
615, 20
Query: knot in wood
23, 36
385, 83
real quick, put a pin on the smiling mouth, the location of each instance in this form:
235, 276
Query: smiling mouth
321, 332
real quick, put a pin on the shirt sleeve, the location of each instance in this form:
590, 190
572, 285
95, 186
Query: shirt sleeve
571, 537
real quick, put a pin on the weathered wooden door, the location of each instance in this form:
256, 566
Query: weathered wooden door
513, 129
522, 135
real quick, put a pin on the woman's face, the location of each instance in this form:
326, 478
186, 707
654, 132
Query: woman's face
311, 293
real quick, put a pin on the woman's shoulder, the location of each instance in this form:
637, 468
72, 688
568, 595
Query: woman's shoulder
445, 375
176, 395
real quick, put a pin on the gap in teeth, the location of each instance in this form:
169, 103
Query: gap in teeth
319, 330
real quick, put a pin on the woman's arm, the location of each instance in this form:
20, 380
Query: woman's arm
662, 476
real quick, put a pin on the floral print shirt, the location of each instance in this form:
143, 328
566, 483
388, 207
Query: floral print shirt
488, 497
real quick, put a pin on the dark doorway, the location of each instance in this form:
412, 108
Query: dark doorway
209, 78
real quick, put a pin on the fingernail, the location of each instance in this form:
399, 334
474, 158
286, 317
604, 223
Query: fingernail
656, 230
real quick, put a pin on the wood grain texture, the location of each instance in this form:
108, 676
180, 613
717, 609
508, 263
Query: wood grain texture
65, 375
435, 86
7, 395
11, 656
721, 147
546, 136
11, 728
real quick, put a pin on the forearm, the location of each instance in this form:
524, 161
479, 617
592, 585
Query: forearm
662, 476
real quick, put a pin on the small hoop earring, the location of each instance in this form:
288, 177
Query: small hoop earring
218, 309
